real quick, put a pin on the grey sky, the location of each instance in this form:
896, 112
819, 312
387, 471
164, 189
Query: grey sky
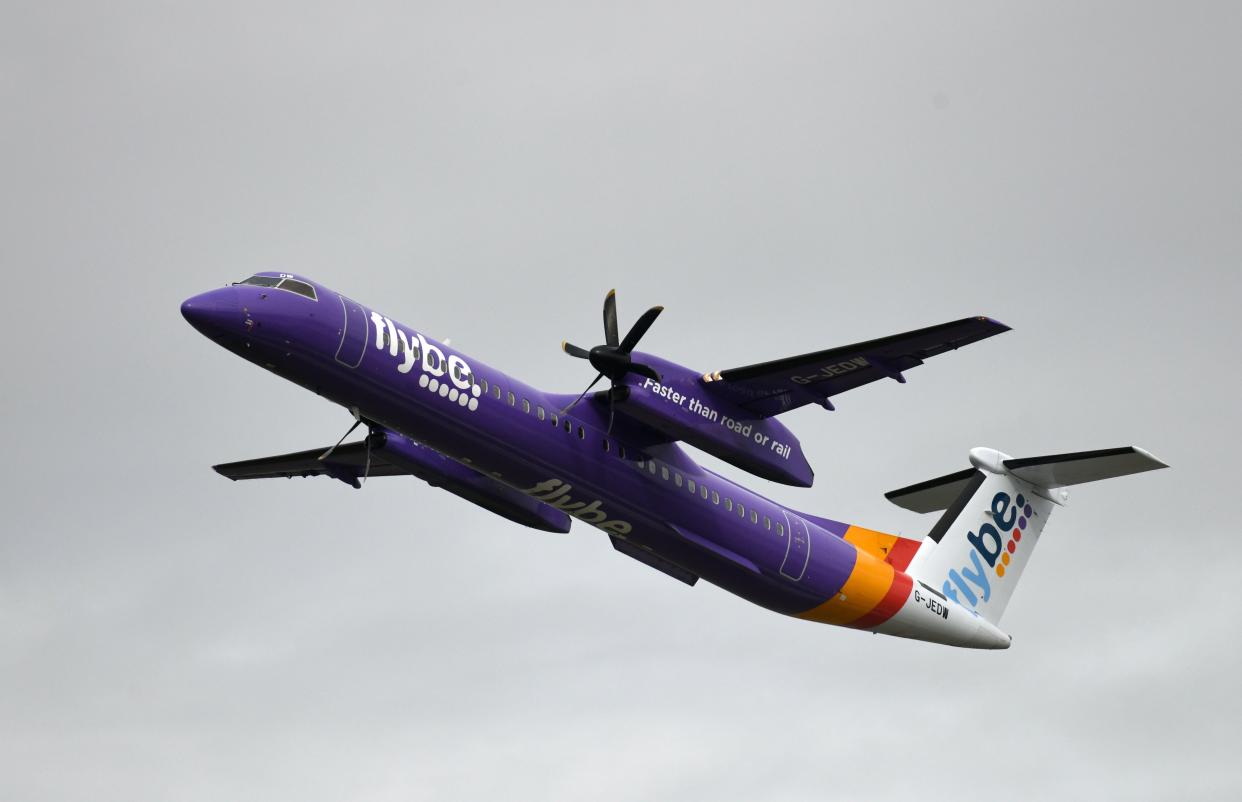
783, 177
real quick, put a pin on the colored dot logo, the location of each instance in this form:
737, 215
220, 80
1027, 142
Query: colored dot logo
1015, 537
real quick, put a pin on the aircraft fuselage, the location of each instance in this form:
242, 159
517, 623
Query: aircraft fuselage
633, 483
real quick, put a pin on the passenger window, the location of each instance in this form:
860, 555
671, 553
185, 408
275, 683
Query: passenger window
539, 413
651, 466
568, 424
767, 523
780, 529
715, 497
677, 479
525, 406
754, 517
512, 399
664, 472
729, 504
703, 491
483, 385
621, 451
581, 433
607, 447
690, 484
741, 510
553, 418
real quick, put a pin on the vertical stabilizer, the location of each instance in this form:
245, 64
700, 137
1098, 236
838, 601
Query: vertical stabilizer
993, 517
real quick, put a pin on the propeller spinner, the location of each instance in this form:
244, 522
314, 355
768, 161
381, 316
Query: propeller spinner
612, 359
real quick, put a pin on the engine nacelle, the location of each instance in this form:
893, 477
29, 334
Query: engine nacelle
683, 407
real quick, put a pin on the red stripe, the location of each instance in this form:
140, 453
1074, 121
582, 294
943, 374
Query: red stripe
897, 594
902, 552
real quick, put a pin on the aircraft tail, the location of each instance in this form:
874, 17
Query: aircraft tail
993, 515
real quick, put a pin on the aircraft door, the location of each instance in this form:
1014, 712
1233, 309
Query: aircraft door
355, 330
797, 548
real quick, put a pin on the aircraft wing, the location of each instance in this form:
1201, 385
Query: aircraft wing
394, 455
771, 388
346, 463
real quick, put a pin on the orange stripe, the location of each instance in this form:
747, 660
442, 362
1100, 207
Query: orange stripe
889, 605
877, 544
868, 585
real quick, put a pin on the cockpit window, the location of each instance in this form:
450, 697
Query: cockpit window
262, 281
282, 283
300, 287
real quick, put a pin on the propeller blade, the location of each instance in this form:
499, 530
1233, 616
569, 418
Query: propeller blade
644, 370
615, 390
583, 395
610, 318
348, 431
574, 350
639, 328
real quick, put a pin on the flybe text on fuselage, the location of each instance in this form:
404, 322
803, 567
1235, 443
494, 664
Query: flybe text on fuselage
413, 348
555, 493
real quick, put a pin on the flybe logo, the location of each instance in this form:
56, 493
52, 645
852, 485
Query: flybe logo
991, 548
554, 492
450, 377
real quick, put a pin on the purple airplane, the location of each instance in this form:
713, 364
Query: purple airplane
612, 458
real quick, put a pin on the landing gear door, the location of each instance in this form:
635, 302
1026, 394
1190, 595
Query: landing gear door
797, 548
354, 333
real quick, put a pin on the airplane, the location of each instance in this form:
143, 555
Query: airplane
614, 458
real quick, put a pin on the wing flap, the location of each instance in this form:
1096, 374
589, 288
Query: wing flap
770, 388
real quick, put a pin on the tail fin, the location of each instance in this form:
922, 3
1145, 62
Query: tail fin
993, 515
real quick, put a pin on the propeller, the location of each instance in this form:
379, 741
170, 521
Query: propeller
612, 359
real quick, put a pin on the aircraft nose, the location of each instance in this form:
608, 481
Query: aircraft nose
213, 312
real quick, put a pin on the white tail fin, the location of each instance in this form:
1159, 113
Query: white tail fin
993, 515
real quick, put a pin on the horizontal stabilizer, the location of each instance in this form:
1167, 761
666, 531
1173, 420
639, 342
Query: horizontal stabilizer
976, 552
1054, 471
1078, 468
932, 495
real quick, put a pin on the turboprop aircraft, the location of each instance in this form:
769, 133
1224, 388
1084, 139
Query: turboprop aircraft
613, 459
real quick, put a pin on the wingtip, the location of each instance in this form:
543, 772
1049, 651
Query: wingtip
220, 470
994, 323
1159, 463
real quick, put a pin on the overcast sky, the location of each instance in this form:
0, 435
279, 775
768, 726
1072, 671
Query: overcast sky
783, 178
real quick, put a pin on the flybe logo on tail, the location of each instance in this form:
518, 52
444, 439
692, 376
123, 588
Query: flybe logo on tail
450, 377
991, 548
